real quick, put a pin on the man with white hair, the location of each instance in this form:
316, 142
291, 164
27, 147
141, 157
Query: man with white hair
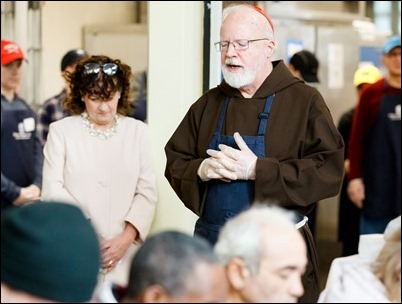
261, 134
265, 256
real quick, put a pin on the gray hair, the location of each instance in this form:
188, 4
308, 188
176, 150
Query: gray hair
242, 236
168, 259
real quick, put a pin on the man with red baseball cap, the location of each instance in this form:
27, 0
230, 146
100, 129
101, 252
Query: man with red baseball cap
21, 150
10, 52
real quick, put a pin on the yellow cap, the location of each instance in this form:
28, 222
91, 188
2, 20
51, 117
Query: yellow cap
366, 74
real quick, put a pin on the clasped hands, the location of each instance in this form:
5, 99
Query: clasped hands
113, 249
229, 163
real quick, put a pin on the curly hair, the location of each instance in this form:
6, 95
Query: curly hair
387, 266
99, 84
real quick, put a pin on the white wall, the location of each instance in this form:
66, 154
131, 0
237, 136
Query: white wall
62, 27
175, 82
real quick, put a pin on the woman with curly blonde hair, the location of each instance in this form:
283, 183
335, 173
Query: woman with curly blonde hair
387, 266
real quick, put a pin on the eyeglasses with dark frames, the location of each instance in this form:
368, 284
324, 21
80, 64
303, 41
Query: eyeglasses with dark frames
109, 68
239, 45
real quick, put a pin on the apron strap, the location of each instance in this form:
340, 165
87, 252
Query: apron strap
264, 115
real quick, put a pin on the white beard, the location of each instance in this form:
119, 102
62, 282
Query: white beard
238, 80
243, 78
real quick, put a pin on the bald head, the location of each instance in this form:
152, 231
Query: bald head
251, 16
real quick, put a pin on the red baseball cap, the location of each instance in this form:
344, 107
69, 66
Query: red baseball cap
10, 52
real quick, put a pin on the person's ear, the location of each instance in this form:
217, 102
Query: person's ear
245, 272
154, 294
270, 49
237, 273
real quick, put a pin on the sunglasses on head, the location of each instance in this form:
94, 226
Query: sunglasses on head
94, 68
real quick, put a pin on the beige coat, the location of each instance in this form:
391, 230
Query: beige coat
111, 180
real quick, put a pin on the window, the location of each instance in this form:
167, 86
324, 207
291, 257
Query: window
387, 16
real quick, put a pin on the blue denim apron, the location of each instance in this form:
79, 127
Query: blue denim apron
382, 167
224, 200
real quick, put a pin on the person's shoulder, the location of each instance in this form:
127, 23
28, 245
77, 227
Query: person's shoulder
314, 89
374, 87
131, 122
305, 93
66, 121
17, 100
213, 94
215, 90
134, 127
350, 279
283, 80
371, 93
22, 101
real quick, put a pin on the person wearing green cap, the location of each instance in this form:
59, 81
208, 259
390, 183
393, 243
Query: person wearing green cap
49, 252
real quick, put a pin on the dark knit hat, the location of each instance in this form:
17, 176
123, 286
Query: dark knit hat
72, 57
306, 62
50, 250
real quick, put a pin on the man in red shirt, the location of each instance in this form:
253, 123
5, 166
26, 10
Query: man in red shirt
375, 146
